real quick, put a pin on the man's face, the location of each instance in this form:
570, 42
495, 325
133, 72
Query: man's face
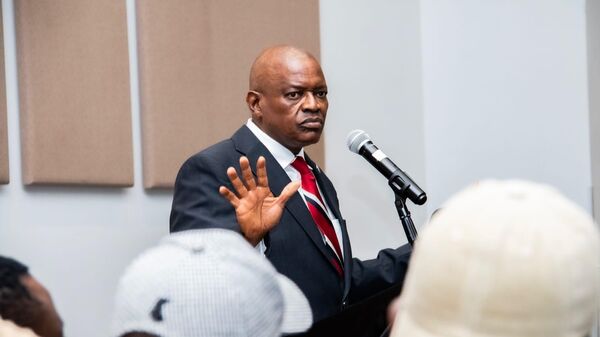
293, 103
49, 323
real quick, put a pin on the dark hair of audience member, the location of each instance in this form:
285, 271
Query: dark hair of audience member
16, 303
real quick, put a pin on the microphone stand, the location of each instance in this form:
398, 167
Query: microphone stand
409, 227
407, 224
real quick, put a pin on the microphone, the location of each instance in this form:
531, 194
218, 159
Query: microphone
360, 142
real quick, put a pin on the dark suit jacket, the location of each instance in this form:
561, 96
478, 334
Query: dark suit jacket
295, 246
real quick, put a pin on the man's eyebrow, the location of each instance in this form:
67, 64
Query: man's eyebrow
296, 86
299, 87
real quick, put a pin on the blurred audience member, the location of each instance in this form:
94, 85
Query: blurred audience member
207, 282
10, 329
25, 301
503, 259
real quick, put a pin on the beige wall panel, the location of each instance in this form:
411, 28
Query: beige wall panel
3, 127
74, 92
195, 57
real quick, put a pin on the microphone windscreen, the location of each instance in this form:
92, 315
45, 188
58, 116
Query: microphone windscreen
356, 139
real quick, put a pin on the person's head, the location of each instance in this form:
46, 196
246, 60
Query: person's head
503, 259
25, 301
207, 282
287, 96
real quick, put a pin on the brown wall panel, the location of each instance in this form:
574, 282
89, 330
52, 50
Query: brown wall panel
195, 57
74, 92
3, 127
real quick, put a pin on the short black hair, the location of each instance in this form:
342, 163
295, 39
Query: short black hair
16, 303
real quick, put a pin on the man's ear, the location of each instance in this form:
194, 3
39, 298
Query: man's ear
253, 101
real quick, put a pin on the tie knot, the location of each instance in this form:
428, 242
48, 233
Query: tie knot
302, 167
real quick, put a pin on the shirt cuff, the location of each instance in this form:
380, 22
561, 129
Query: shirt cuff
261, 247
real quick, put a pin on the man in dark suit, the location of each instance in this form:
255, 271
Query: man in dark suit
303, 234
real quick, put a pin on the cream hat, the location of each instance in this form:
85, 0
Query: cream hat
10, 329
207, 282
503, 259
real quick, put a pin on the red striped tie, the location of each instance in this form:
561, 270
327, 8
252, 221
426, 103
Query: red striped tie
316, 206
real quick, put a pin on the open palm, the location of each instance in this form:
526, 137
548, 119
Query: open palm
256, 208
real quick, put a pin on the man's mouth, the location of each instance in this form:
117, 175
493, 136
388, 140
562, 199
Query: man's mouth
312, 123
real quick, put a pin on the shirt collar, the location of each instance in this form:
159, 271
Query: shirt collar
283, 156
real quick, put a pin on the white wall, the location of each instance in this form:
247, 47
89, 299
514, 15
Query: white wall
505, 94
77, 241
371, 56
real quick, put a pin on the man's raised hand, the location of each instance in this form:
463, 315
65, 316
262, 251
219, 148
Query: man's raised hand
256, 208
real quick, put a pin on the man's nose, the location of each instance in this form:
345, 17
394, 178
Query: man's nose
310, 103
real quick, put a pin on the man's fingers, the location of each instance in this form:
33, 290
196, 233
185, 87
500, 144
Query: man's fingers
225, 192
261, 172
288, 191
247, 173
239, 187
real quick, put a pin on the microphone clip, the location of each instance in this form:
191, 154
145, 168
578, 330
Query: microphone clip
397, 185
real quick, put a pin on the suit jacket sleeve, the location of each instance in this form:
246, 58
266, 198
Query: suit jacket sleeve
196, 199
387, 271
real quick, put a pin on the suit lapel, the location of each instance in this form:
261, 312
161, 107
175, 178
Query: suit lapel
247, 144
347, 259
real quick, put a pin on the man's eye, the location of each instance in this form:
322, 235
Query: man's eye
293, 95
321, 94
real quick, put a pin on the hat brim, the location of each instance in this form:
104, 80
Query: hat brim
297, 315
405, 326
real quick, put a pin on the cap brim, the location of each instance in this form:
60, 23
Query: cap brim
297, 315
405, 326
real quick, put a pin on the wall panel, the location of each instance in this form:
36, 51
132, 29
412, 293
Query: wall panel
74, 92
593, 40
3, 126
195, 57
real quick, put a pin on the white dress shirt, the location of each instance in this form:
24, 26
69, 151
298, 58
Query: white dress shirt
285, 157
